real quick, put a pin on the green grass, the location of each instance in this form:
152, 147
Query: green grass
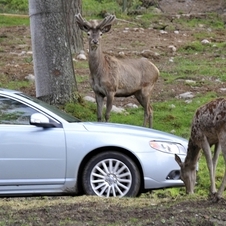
83, 78
13, 21
85, 111
191, 67
197, 47
81, 64
211, 20
15, 85
94, 7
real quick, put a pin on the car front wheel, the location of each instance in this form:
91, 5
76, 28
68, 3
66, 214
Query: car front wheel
111, 174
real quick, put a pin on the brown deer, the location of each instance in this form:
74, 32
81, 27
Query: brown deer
208, 129
111, 77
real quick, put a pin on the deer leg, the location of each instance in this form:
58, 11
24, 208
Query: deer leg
150, 116
110, 98
223, 184
217, 150
208, 156
145, 103
100, 103
147, 116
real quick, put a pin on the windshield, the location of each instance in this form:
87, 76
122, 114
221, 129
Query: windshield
51, 108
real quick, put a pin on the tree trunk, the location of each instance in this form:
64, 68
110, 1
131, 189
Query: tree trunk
53, 66
72, 7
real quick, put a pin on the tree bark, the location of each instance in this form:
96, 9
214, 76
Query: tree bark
72, 7
53, 66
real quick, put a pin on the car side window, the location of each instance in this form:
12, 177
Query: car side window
14, 112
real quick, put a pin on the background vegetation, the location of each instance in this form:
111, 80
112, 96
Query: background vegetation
173, 115
89, 7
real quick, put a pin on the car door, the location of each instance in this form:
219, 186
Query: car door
29, 155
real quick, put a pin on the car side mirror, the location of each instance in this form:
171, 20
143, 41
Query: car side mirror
40, 120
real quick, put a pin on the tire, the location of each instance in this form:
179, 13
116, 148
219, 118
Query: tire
111, 174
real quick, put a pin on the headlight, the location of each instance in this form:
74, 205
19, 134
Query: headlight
171, 148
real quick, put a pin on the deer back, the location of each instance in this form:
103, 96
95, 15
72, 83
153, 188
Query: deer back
204, 122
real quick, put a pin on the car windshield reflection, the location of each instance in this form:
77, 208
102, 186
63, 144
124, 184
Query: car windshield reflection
51, 108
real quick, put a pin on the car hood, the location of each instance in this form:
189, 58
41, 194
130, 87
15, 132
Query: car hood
104, 127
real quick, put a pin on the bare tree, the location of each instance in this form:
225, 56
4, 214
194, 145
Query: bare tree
53, 66
111, 77
72, 7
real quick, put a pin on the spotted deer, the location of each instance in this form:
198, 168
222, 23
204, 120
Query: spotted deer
112, 77
208, 129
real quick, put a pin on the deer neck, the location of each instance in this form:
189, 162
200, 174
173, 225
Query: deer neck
96, 59
192, 153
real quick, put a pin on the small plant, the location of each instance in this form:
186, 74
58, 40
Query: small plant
14, 6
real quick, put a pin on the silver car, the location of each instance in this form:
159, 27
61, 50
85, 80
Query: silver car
45, 151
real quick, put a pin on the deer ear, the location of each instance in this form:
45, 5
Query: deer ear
178, 160
83, 27
106, 29
83, 24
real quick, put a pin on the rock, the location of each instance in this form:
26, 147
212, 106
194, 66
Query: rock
171, 59
126, 29
130, 105
188, 101
22, 53
121, 53
188, 81
172, 48
156, 10
90, 99
30, 77
117, 109
81, 55
187, 95
148, 53
172, 106
163, 32
205, 41
114, 108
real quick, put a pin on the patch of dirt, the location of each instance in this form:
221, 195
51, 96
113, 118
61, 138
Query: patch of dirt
16, 64
93, 211
192, 6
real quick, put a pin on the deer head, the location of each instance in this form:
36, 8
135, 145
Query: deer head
187, 174
94, 29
